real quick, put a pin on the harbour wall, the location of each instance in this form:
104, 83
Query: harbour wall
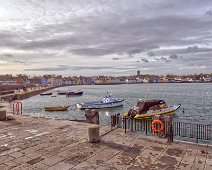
24, 95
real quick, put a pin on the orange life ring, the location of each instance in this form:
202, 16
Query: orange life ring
154, 129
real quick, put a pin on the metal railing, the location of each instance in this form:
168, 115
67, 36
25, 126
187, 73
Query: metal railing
199, 133
186, 131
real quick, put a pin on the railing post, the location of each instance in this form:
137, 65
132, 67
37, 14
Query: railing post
111, 122
131, 124
197, 131
135, 124
125, 125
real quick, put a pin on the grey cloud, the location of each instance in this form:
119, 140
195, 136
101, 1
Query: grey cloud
193, 49
6, 55
182, 51
164, 59
91, 51
174, 56
9, 39
150, 54
209, 12
144, 60
102, 28
116, 58
134, 36
135, 51
21, 61
47, 69
92, 68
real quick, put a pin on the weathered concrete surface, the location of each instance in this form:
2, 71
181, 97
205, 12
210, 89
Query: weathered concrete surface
35, 143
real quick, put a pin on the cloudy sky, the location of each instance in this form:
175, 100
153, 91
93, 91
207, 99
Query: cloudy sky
110, 37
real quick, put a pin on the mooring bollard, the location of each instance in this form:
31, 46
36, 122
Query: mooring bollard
93, 133
92, 116
3, 115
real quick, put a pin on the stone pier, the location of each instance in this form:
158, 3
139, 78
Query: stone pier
37, 143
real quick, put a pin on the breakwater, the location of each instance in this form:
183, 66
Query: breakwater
20, 95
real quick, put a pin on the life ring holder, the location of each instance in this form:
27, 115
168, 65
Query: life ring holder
154, 129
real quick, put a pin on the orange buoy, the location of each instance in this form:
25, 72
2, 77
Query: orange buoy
155, 129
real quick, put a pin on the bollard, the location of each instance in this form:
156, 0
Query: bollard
92, 116
3, 115
93, 133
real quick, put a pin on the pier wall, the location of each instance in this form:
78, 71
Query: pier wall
24, 95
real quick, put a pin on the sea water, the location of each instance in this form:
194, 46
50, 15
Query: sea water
195, 100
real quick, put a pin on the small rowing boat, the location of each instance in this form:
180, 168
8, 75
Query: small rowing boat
46, 94
56, 108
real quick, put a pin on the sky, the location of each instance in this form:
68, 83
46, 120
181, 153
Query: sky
105, 37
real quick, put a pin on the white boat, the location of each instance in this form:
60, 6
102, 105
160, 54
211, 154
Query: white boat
107, 102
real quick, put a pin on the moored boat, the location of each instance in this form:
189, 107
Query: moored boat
149, 108
56, 108
46, 94
74, 93
61, 92
106, 102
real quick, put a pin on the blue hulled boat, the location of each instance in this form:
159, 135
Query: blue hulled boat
107, 102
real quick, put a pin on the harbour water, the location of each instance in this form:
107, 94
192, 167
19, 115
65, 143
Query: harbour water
195, 100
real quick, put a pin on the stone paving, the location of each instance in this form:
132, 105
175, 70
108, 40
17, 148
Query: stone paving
36, 143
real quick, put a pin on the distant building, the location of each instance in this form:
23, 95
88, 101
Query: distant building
138, 72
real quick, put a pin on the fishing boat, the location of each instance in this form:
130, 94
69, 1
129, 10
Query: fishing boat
149, 108
74, 93
46, 94
56, 108
106, 102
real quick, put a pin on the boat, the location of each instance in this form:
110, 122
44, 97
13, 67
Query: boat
146, 109
61, 92
74, 93
106, 102
56, 108
46, 94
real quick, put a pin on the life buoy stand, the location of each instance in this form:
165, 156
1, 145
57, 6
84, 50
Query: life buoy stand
17, 107
154, 127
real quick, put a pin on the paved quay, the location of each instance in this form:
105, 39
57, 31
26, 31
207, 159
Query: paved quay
37, 143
